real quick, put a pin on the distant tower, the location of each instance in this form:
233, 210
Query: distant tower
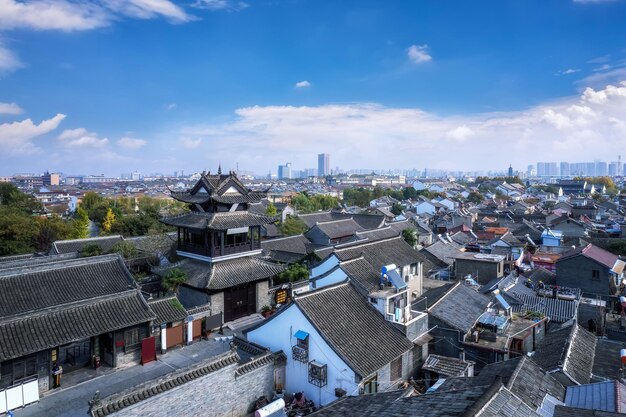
619, 166
510, 171
323, 164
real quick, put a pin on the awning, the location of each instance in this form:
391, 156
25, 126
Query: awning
301, 335
421, 340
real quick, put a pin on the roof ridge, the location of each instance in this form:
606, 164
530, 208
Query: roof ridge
72, 304
58, 264
317, 291
88, 238
372, 242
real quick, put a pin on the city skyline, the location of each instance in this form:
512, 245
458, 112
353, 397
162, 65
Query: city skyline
108, 89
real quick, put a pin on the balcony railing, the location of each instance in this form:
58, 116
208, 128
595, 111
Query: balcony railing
300, 354
228, 249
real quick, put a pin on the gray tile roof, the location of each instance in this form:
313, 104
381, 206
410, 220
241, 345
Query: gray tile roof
378, 234
294, 244
335, 229
559, 311
570, 348
383, 252
218, 221
366, 221
506, 404
443, 252
355, 330
77, 245
524, 378
606, 360
167, 310
225, 274
461, 403
32, 288
362, 272
446, 366
460, 307
34, 332
26, 261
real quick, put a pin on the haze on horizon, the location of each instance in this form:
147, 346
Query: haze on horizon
107, 86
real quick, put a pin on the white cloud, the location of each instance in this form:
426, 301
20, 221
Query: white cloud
568, 71
8, 60
418, 54
460, 133
372, 136
10, 108
170, 106
81, 138
303, 84
190, 143
16, 137
229, 5
70, 16
150, 9
51, 14
131, 143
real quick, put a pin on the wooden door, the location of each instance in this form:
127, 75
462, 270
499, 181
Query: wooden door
239, 302
174, 336
197, 328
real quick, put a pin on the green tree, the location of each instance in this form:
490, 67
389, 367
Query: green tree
173, 279
294, 273
271, 209
91, 249
136, 225
108, 221
51, 229
11, 196
396, 209
18, 232
410, 237
409, 193
292, 226
475, 197
125, 248
80, 224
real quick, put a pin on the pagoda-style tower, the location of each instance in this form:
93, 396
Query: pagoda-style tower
218, 226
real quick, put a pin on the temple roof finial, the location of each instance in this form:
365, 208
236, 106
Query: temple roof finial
219, 169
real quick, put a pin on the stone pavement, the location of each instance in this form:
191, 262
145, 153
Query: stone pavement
73, 401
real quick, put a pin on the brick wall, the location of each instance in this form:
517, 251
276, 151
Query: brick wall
262, 295
229, 391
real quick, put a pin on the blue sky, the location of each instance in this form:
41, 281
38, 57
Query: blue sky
110, 86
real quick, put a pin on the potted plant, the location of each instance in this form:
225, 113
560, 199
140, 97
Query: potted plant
266, 311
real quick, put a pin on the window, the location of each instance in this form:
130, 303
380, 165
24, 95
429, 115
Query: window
24, 369
595, 274
370, 386
396, 369
300, 352
131, 337
317, 374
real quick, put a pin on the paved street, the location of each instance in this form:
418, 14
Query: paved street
73, 401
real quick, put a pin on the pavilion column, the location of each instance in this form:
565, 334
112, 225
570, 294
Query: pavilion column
222, 243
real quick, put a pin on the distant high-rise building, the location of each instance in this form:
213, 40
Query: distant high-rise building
284, 171
613, 168
565, 169
547, 169
600, 168
530, 171
510, 170
50, 179
323, 164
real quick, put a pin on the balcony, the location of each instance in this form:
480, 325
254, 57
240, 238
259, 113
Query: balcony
412, 323
300, 354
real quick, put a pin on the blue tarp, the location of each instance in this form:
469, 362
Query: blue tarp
301, 335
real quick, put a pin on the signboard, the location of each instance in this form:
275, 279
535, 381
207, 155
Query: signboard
280, 296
